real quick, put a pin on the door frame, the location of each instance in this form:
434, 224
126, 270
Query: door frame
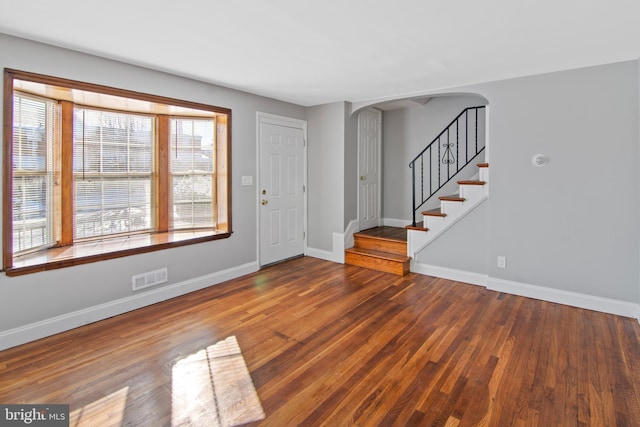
379, 207
274, 119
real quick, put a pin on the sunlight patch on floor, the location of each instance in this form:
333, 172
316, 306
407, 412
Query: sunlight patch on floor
212, 387
105, 412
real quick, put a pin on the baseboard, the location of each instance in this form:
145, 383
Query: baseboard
322, 254
574, 299
590, 302
450, 274
65, 322
394, 222
339, 242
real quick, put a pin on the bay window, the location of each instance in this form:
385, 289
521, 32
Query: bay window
107, 172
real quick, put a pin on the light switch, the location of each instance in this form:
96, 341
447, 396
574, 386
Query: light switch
247, 180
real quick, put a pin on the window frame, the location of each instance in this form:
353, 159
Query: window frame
159, 239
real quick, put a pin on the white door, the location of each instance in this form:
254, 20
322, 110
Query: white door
369, 151
281, 191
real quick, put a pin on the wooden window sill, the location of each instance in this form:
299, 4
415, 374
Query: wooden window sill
100, 250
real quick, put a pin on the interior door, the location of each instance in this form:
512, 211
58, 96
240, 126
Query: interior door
281, 191
369, 151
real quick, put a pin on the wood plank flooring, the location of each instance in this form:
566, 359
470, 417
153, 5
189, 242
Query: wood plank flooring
336, 345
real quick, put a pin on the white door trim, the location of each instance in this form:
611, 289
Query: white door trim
274, 119
379, 207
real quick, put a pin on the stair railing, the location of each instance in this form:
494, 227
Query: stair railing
445, 159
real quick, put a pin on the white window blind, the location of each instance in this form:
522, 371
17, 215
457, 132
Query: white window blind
34, 130
192, 173
112, 167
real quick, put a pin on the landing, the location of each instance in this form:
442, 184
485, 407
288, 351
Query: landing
385, 232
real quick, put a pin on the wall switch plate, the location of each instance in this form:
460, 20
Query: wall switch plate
247, 180
502, 262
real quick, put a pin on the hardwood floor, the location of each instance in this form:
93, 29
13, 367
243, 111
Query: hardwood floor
330, 344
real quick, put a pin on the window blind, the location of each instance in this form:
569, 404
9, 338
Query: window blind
112, 166
34, 129
192, 172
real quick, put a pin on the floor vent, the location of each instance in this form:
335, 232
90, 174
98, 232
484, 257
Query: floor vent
150, 278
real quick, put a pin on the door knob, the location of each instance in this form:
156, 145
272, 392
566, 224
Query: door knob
362, 178
264, 202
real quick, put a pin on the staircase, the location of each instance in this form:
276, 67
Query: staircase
452, 209
382, 249
390, 249
446, 156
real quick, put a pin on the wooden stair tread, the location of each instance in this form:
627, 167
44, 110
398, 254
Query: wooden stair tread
471, 182
434, 212
483, 165
378, 254
418, 227
452, 198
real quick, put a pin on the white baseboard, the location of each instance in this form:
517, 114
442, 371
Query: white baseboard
574, 299
450, 273
339, 242
394, 222
322, 254
65, 322
590, 302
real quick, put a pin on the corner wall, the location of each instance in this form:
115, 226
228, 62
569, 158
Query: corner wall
326, 178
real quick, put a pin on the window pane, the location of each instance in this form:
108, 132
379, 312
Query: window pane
191, 164
112, 206
113, 155
192, 201
30, 225
192, 145
34, 129
109, 142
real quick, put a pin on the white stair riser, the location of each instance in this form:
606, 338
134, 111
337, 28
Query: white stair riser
483, 174
472, 192
433, 221
434, 226
451, 208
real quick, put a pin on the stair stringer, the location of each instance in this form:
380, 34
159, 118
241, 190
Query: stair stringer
418, 240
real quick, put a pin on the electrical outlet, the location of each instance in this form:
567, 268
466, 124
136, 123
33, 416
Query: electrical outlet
502, 262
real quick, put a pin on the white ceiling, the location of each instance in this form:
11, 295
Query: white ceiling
312, 53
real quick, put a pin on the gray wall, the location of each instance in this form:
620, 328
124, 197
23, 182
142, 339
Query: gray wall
39, 296
406, 132
325, 173
573, 225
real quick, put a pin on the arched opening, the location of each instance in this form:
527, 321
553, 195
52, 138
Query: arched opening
409, 125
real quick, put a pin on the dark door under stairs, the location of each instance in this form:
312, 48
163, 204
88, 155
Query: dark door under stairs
380, 248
